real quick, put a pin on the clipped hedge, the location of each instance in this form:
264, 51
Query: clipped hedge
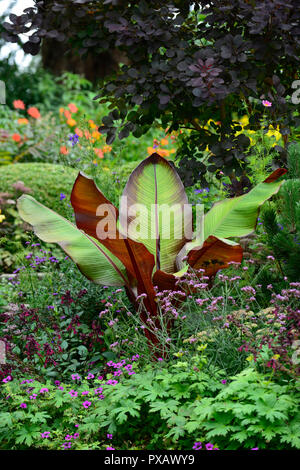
47, 181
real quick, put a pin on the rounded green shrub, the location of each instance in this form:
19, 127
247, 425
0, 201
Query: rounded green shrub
46, 181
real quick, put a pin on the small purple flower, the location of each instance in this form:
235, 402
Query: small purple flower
223, 381
23, 405
197, 446
7, 379
44, 390
86, 392
209, 446
112, 382
75, 435
62, 196
86, 404
74, 139
254, 448
73, 393
45, 434
110, 448
68, 437
33, 396
66, 445
90, 376
75, 377
109, 436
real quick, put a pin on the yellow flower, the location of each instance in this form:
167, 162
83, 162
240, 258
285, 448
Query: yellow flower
249, 358
2, 217
244, 121
276, 356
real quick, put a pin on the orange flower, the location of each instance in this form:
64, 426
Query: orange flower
71, 122
87, 134
164, 142
96, 135
61, 110
63, 149
92, 124
150, 150
72, 108
18, 104
78, 132
34, 112
162, 152
23, 121
106, 148
99, 153
16, 137
67, 114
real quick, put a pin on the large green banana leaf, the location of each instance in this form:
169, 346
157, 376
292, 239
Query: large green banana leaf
157, 192
236, 217
95, 261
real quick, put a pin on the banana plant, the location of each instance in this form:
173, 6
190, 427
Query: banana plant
151, 241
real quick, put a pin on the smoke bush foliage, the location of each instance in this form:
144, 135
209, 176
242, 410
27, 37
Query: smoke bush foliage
187, 62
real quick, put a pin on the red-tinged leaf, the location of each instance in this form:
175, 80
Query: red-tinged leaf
164, 281
275, 175
163, 214
93, 214
215, 254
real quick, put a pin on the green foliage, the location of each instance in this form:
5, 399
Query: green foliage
47, 182
282, 220
207, 61
250, 411
164, 407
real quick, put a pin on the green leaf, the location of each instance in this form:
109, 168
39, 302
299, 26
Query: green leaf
95, 261
236, 217
156, 191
